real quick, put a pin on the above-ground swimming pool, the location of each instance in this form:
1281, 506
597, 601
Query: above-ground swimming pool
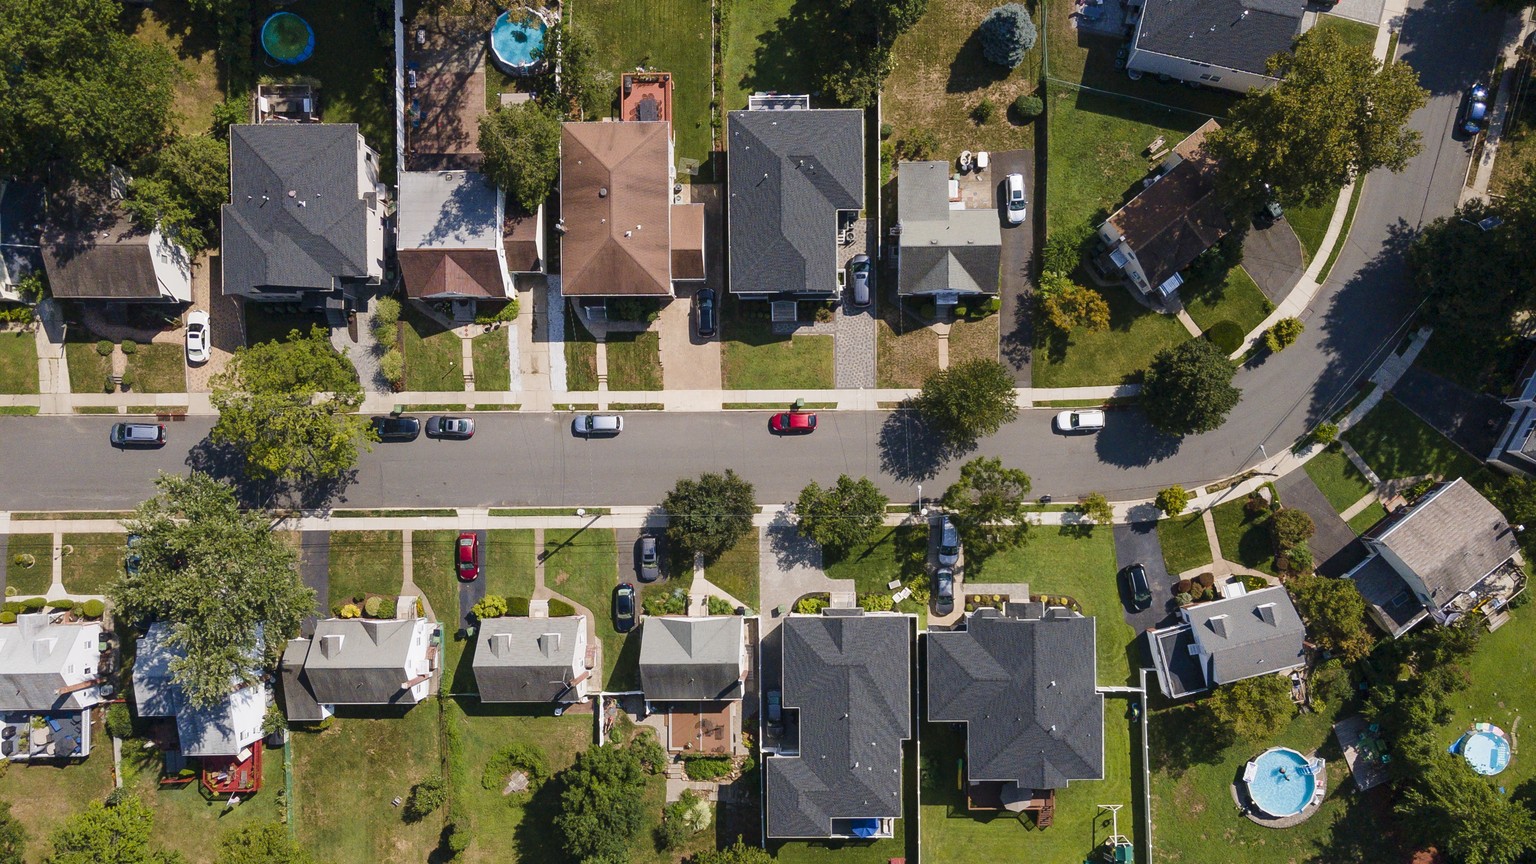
1486, 749
287, 38
1280, 782
514, 43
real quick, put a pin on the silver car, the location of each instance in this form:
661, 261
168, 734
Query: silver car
863, 275
949, 543
597, 425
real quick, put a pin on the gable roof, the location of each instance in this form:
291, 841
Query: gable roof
295, 217
92, 250
299, 702
1169, 223
218, 730
527, 659
1451, 539
691, 658
850, 678
790, 171
459, 272
35, 661
615, 197
1026, 688
1237, 34
361, 660
943, 249
1255, 634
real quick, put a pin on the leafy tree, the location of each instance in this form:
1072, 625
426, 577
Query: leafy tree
853, 54
1007, 34
1516, 498
987, 506
1291, 527
1254, 708
521, 144
287, 408
219, 578
1452, 808
1335, 615
1326, 433
13, 836
1095, 508
1067, 305
265, 843
1189, 389
79, 92
736, 853
425, 798
1476, 282
1172, 500
1028, 106
843, 515
710, 514
1065, 250
600, 803
1282, 333
119, 721
116, 833
1336, 113
180, 188
584, 89
968, 400
236, 109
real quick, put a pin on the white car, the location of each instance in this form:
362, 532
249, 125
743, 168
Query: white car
197, 337
1091, 420
1016, 203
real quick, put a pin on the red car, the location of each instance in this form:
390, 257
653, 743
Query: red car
793, 423
469, 556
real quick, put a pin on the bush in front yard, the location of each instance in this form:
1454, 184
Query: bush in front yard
1172, 500
426, 797
490, 606
129, 346
104, 347
719, 606
876, 602
1007, 34
918, 146
1285, 331
517, 606
7, 617
1226, 335
33, 604
92, 609
560, 609
386, 312
1291, 528
392, 366
1028, 107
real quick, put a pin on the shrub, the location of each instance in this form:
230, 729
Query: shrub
1184, 586
426, 796
16, 314
719, 606
107, 384
24, 559
1226, 335
560, 609
12, 607
1183, 598
373, 606
674, 602
129, 346
507, 312
1326, 433
680, 820
386, 335
1298, 558
33, 604
63, 604
104, 347
274, 721
1172, 500
349, 610
515, 757
918, 146
1282, 333
984, 111
1291, 528
652, 756
392, 366
456, 839
517, 606
127, 380
490, 606
119, 721
1255, 504
92, 609
1418, 490
702, 767
386, 312
7, 617
876, 602
824, 315
1007, 34
811, 605
886, 131
1028, 107
1206, 580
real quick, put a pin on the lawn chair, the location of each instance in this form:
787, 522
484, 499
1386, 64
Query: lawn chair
893, 584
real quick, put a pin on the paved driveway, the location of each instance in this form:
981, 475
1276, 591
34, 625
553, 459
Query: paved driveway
1272, 256
1333, 533
1137, 543
315, 570
1472, 420
471, 593
1016, 331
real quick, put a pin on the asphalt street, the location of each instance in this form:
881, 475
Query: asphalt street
62, 463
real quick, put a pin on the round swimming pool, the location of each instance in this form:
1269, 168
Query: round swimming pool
515, 43
287, 38
1486, 750
1281, 782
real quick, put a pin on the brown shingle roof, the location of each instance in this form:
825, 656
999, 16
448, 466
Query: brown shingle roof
1451, 539
520, 237
687, 241
1175, 219
92, 250
458, 272
614, 190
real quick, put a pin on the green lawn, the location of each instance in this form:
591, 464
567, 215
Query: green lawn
493, 361
43, 795
580, 355
509, 562
92, 561
736, 572
191, 823
1081, 358
1237, 299
973, 340
432, 569
1310, 222
18, 362
190, 38
761, 49
88, 370
895, 551
754, 358
365, 562
1501, 689
29, 581
908, 357
345, 778
669, 36
157, 369
1244, 537
1362, 521
1185, 545
583, 564
1396, 443
1356, 33
434, 355
1340, 481
634, 361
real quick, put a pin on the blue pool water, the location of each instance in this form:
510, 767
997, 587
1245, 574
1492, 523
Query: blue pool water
1486, 752
514, 42
1277, 793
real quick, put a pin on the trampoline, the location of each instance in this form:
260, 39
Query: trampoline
287, 38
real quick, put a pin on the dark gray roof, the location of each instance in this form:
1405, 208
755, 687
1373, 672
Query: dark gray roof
364, 661
299, 703
218, 730
1255, 634
1028, 693
1237, 34
305, 240
1451, 539
1391, 602
527, 659
21, 216
1179, 671
790, 172
691, 658
38, 659
93, 251
943, 249
849, 678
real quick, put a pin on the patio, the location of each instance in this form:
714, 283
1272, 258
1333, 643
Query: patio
44, 736
1364, 751
445, 83
702, 727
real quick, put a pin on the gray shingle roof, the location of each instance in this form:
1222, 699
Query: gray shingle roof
219, 730
526, 659
1254, 634
93, 251
307, 240
1391, 601
1237, 34
691, 658
1451, 539
35, 657
789, 174
299, 703
850, 679
943, 249
1028, 693
361, 661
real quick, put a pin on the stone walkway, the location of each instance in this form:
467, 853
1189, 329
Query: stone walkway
854, 347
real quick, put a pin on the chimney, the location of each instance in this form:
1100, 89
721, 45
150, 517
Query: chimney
501, 644
31, 624
330, 645
1267, 613
1219, 625
549, 643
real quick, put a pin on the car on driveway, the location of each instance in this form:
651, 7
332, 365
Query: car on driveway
949, 543
458, 428
1014, 193
467, 556
793, 423
137, 435
704, 309
775, 708
944, 591
649, 558
394, 428
1071, 422
624, 614
597, 425
197, 337
1474, 112
1137, 589
863, 275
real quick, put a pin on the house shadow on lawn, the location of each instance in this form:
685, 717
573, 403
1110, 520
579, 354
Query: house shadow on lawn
535, 836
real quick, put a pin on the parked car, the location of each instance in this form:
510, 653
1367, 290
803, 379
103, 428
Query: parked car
863, 275
1136, 586
649, 558
460, 428
467, 556
704, 307
793, 423
132, 559
138, 434
944, 591
394, 428
774, 701
597, 425
1091, 420
1015, 197
1474, 111
949, 543
197, 337
624, 616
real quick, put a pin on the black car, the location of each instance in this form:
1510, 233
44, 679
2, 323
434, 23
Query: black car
1136, 586
131, 559
624, 617
944, 591
706, 312
397, 428
649, 559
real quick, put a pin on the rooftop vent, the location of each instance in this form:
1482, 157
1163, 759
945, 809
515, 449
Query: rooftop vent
602, 192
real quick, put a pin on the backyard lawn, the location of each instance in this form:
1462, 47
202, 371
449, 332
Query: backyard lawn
736, 572
1396, 443
18, 362
365, 562
1338, 479
1501, 690
634, 361
973, 340
92, 561
580, 355
190, 39
1184, 543
509, 562
583, 564
1237, 299
191, 823
29, 581
493, 361
1244, 537
42, 796
88, 370
762, 48
1081, 358
157, 369
905, 359
433, 354
753, 357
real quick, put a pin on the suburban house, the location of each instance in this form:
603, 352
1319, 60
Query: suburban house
360, 661
305, 218
847, 693
1516, 449
1023, 680
795, 178
21, 221
52, 673
532, 660
1252, 634
945, 249
1449, 555
694, 670
92, 250
1174, 218
1217, 43
456, 241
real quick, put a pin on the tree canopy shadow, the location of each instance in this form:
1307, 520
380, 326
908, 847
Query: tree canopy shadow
913, 449
791, 550
223, 462
971, 70
1132, 442
786, 52
1175, 742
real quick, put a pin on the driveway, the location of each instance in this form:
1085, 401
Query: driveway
1472, 420
1137, 543
1016, 331
315, 570
1272, 256
1333, 533
628, 540
471, 593
687, 361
